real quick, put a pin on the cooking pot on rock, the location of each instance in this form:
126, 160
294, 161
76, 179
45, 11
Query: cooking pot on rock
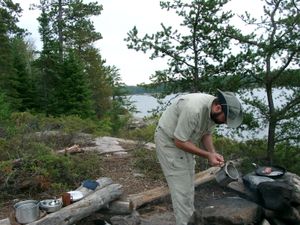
27, 211
227, 174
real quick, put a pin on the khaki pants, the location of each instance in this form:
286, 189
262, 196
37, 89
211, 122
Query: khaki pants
179, 169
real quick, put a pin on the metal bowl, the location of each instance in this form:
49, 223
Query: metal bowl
50, 205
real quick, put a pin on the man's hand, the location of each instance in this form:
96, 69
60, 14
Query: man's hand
215, 159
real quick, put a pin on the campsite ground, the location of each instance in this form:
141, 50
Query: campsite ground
120, 168
159, 212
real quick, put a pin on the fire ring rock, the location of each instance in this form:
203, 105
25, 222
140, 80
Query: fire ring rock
228, 211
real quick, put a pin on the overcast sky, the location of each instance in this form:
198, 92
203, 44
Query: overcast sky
116, 19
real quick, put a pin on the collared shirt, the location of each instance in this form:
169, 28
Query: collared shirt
188, 117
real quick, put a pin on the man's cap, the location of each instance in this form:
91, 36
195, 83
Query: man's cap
231, 107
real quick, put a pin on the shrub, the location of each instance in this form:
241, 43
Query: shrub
147, 162
288, 156
145, 134
5, 110
46, 171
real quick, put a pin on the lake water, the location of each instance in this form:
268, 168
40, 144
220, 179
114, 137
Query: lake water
146, 103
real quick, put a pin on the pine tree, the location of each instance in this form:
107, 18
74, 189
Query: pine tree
73, 94
9, 14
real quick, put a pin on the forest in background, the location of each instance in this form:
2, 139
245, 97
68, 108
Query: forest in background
68, 78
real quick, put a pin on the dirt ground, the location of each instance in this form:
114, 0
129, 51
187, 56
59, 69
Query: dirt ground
119, 169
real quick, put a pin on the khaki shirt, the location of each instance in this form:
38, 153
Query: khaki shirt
188, 117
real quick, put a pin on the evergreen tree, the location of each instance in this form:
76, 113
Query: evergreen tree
9, 14
271, 55
196, 53
73, 95
49, 62
24, 84
121, 105
66, 25
99, 83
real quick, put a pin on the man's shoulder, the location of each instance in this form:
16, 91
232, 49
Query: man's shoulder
199, 98
197, 95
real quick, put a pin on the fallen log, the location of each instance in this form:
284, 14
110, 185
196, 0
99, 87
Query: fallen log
137, 200
206, 175
5, 222
83, 208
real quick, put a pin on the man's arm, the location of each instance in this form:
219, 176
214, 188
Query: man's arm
213, 158
208, 143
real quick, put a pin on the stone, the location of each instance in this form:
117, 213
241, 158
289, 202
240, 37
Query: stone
133, 219
276, 195
293, 180
252, 181
228, 211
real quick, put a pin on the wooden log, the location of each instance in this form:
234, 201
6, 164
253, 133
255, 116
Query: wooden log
206, 175
72, 150
5, 221
83, 208
137, 200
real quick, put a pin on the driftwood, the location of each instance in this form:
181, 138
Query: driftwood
73, 149
206, 175
5, 222
83, 208
137, 200
140, 199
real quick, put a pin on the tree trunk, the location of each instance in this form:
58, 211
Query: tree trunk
5, 222
83, 208
60, 27
272, 120
271, 141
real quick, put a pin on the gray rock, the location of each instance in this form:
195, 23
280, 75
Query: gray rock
228, 211
276, 195
133, 219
